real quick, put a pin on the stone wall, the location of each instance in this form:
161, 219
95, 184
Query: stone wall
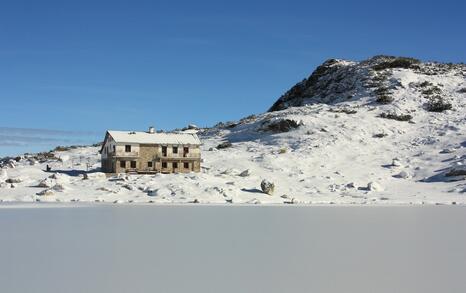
153, 153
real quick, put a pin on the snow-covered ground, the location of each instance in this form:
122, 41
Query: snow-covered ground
338, 152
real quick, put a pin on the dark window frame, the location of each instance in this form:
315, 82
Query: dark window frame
164, 165
164, 150
123, 164
128, 148
133, 164
150, 164
175, 149
175, 165
186, 165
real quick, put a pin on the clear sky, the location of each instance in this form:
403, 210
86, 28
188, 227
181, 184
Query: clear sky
96, 65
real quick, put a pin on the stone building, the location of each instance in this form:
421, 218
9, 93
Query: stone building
150, 152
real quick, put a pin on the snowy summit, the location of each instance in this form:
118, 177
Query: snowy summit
387, 130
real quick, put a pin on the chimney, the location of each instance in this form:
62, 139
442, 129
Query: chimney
151, 129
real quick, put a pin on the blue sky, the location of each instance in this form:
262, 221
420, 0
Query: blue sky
96, 65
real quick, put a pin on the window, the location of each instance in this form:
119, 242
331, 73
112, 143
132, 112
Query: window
175, 150
185, 151
175, 165
114, 148
164, 165
186, 165
128, 148
149, 164
123, 164
164, 151
133, 164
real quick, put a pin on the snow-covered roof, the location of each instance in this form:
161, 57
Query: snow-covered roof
154, 138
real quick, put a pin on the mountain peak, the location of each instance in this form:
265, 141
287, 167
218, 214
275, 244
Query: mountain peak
338, 80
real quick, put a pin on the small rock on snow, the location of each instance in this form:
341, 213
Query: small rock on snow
245, 173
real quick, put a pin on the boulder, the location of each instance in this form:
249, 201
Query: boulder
267, 187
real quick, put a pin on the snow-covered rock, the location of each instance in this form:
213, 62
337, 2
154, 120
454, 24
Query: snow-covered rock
403, 174
374, 186
95, 176
396, 163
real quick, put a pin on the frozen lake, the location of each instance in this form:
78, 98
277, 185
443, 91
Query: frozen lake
233, 249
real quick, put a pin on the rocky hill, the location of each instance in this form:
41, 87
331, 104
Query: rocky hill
337, 81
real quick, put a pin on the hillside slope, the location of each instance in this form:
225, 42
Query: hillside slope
382, 131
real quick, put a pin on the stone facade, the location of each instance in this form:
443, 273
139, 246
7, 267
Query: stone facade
154, 158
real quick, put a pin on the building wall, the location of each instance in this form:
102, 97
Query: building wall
144, 153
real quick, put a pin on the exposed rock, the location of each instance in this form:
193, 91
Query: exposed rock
280, 125
456, 171
14, 180
350, 185
224, 145
162, 192
245, 173
45, 183
129, 186
45, 192
267, 187
103, 188
448, 151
